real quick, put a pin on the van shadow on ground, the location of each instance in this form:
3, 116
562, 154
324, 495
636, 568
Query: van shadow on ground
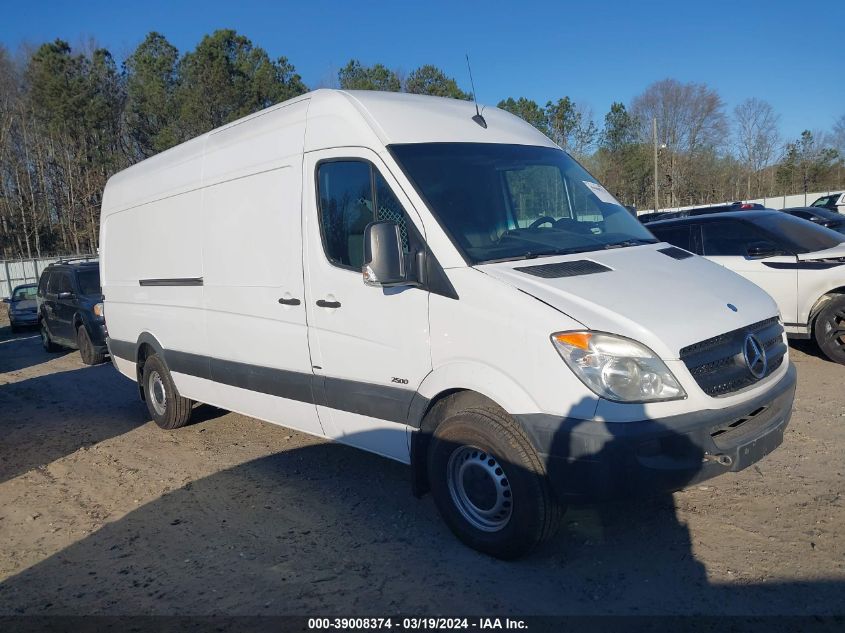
331, 530
50, 416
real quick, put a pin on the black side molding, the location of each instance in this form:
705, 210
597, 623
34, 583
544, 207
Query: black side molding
804, 265
372, 400
176, 281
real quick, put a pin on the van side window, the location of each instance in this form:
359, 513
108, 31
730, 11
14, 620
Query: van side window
353, 194
388, 207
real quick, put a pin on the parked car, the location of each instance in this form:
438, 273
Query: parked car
820, 215
832, 202
716, 208
22, 307
447, 289
801, 264
70, 309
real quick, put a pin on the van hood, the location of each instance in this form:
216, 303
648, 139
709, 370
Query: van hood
645, 295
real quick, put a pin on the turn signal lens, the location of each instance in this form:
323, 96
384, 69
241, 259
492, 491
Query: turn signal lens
98, 310
581, 340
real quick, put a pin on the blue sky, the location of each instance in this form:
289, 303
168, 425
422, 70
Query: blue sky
789, 53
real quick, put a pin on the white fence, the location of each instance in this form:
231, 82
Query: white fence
14, 272
774, 202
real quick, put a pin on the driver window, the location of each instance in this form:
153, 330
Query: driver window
537, 191
352, 194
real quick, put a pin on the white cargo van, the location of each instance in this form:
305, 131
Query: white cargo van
443, 288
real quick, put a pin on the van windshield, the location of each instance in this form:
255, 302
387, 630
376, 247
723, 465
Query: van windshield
503, 202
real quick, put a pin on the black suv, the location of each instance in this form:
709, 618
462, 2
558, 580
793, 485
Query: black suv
70, 309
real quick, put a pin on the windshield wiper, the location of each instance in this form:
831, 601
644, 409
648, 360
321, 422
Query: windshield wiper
624, 243
535, 255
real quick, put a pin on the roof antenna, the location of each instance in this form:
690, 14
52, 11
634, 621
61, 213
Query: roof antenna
477, 118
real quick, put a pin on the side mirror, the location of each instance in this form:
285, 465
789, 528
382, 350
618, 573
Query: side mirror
7, 300
385, 263
761, 250
65, 295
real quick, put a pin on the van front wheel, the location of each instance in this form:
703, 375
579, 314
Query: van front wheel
168, 409
490, 485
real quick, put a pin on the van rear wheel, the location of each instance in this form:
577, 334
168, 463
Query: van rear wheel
168, 409
490, 485
829, 329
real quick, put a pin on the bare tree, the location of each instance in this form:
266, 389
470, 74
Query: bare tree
757, 138
690, 120
839, 135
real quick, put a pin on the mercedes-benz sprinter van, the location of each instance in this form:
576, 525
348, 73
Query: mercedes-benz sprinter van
445, 288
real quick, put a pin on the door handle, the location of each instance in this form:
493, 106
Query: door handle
289, 302
322, 303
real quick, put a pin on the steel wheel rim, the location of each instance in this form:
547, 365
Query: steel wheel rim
479, 488
158, 396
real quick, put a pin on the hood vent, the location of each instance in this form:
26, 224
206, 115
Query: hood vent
674, 252
564, 269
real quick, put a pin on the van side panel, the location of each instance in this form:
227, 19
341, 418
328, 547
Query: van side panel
151, 261
252, 253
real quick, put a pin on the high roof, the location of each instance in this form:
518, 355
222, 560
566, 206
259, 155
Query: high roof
397, 117
317, 120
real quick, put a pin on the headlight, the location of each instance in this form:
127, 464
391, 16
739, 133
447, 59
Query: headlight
98, 310
617, 368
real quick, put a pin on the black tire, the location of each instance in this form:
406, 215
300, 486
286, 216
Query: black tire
489, 446
47, 342
89, 354
829, 329
171, 411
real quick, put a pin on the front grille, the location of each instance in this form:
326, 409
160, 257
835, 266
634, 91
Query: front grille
718, 364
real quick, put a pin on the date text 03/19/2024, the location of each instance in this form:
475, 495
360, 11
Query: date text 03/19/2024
416, 624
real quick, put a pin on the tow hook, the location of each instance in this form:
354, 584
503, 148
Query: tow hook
724, 460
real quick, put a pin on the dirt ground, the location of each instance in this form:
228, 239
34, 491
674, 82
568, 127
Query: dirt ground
103, 513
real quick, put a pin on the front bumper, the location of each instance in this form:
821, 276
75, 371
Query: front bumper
589, 460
